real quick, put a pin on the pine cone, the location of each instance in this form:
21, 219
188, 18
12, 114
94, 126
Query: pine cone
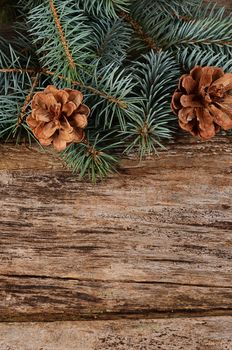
203, 101
58, 117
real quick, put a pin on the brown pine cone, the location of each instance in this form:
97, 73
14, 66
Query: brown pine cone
203, 101
58, 117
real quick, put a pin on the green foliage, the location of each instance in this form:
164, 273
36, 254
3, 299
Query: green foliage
206, 27
188, 58
10, 111
62, 40
92, 158
125, 56
156, 76
104, 8
116, 103
212, 30
173, 6
111, 40
13, 59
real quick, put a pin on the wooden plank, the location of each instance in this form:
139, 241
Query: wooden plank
154, 239
192, 334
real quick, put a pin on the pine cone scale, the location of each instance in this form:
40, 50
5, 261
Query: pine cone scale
205, 80
61, 96
80, 120
205, 123
175, 104
188, 84
41, 115
222, 118
43, 100
69, 108
75, 96
190, 101
48, 130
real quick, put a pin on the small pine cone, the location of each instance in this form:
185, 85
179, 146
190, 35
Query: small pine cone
58, 117
203, 101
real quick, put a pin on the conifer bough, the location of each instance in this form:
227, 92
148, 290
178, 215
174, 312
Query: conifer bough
126, 58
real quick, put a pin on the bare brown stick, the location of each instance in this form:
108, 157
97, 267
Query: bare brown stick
20, 70
121, 104
184, 18
33, 71
139, 30
28, 100
61, 34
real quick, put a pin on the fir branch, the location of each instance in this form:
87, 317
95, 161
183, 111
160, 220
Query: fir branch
111, 40
139, 30
118, 83
94, 91
93, 157
20, 70
208, 27
27, 5
61, 34
156, 76
201, 11
11, 78
189, 58
170, 7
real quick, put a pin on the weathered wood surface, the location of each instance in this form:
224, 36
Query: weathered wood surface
182, 334
153, 241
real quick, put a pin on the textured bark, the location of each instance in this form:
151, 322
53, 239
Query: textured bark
190, 334
154, 240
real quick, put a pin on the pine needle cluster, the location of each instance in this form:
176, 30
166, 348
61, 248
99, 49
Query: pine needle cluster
126, 57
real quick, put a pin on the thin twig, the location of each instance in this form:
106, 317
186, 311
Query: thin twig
28, 100
184, 18
44, 71
140, 31
121, 104
61, 34
20, 70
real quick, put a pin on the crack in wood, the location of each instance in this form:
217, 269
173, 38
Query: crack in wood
64, 278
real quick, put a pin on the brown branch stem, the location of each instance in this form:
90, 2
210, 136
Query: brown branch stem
44, 71
28, 100
61, 34
140, 31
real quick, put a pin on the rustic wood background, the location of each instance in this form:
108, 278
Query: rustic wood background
142, 261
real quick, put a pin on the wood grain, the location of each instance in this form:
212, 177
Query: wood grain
154, 240
191, 334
